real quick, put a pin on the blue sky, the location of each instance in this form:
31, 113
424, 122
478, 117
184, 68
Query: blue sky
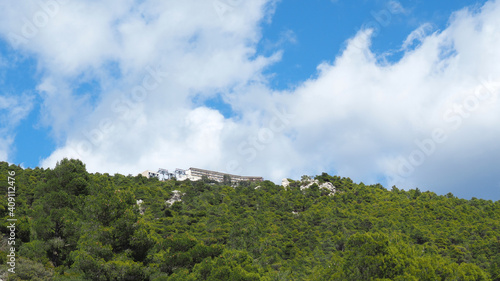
397, 92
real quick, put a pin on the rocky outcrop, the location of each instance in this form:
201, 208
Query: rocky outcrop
326, 185
141, 208
175, 198
285, 183
307, 183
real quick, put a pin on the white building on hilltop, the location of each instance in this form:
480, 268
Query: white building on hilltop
150, 174
196, 174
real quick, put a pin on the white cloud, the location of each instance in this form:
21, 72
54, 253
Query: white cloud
356, 117
361, 117
364, 119
418, 35
12, 111
5, 145
150, 61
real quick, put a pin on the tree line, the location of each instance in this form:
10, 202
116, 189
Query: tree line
74, 225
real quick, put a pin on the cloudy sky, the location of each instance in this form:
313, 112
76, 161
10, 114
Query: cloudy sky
402, 93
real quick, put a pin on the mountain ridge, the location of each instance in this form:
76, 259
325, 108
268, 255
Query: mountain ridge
73, 225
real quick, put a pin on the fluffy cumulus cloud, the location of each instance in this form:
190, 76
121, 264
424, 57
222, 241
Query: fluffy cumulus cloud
428, 120
150, 60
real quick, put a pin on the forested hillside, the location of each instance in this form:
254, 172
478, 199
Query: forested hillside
72, 225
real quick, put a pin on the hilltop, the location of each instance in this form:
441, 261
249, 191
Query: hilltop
73, 225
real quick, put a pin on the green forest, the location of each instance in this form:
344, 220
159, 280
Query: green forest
75, 225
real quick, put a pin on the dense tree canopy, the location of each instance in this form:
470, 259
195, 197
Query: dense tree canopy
73, 225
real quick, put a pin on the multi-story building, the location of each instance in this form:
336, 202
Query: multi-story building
195, 174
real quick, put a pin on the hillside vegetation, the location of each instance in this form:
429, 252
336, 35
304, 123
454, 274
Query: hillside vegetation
72, 225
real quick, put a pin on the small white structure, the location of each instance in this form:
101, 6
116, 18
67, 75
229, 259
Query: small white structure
150, 174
